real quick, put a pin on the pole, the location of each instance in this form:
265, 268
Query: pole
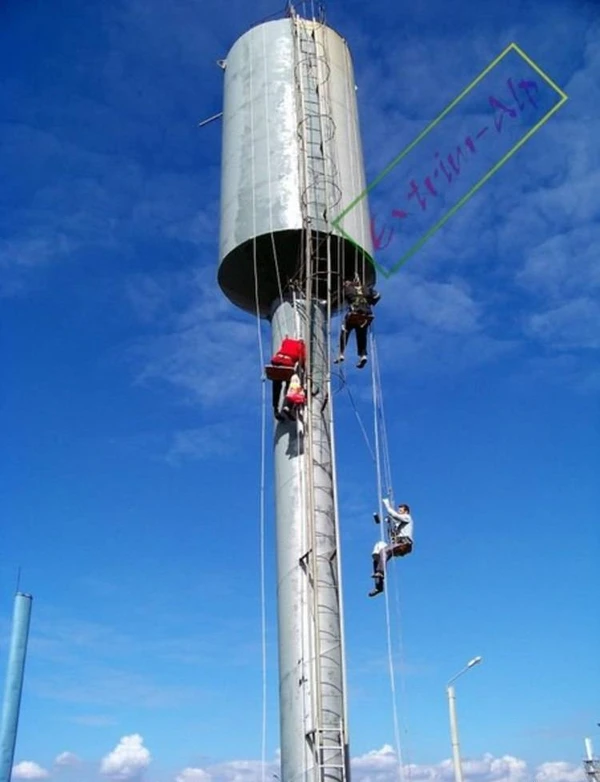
591, 766
14, 683
309, 617
458, 777
588, 749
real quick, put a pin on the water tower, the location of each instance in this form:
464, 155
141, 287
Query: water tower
292, 161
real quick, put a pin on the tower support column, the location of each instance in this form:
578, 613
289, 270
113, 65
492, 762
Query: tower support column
312, 698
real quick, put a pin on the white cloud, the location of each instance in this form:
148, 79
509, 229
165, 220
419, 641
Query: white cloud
564, 265
203, 443
127, 760
442, 306
233, 771
376, 764
559, 771
381, 765
565, 370
193, 775
204, 348
564, 276
490, 768
27, 769
67, 759
33, 251
575, 324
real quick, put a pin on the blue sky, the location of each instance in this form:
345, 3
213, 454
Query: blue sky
130, 464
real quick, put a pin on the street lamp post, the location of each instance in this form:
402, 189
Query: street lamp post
458, 777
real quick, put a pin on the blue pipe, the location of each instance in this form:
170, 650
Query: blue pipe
14, 683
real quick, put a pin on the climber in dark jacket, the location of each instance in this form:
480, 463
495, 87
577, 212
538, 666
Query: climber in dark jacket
360, 300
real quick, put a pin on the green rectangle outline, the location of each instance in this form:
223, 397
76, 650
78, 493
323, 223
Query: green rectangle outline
511, 47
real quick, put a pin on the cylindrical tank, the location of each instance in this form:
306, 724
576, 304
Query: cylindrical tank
290, 121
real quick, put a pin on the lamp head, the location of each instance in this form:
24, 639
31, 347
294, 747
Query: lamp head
474, 661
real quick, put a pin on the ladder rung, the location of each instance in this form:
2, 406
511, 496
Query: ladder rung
324, 730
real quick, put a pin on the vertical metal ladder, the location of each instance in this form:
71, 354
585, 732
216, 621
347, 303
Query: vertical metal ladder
333, 746
315, 129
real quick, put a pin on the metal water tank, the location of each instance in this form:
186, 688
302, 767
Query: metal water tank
291, 163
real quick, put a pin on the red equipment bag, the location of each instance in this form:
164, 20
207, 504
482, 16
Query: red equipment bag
291, 352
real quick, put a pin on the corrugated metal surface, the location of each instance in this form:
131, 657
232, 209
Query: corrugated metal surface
260, 167
264, 186
347, 143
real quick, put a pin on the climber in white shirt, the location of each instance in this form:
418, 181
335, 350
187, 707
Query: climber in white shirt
400, 528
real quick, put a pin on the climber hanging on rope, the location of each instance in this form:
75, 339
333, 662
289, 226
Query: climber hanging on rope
400, 531
360, 299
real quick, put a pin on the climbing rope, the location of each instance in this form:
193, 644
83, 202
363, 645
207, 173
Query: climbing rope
360, 423
269, 179
396, 580
381, 457
387, 468
263, 617
263, 613
376, 427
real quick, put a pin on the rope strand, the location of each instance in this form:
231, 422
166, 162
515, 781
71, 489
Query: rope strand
376, 399
398, 611
263, 613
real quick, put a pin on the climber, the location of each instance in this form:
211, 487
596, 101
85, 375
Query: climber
360, 299
278, 387
295, 399
287, 362
400, 528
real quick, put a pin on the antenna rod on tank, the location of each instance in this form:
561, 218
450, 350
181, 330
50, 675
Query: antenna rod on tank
222, 65
210, 119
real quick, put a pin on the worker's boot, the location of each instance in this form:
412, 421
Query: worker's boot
378, 589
